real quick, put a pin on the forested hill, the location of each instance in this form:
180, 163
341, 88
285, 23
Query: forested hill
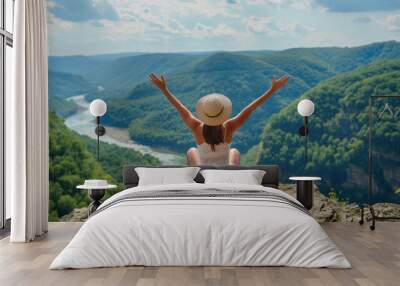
122, 71
71, 161
243, 76
338, 147
153, 121
63, 84
69, 165
61, 106
341, 59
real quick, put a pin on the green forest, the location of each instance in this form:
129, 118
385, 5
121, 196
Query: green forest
338, 147
72, 160
241, 76
63, 84
338, 80
62, 107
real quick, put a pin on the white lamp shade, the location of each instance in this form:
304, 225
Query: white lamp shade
305, 107
98, 107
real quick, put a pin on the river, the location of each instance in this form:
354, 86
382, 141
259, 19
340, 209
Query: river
83, 123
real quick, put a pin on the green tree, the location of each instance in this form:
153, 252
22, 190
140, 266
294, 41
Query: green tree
338, 146
71, 161
69, 165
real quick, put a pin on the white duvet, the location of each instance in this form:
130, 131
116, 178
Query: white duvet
200, 231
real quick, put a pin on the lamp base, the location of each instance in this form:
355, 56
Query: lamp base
96, 196
304, 193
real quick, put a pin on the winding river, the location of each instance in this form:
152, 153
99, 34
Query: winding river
83, 123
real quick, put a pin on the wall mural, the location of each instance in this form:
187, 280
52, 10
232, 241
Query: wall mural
337, 54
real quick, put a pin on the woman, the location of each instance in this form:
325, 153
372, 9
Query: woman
213, 130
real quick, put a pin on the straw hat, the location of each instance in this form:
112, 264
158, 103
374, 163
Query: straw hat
214, 109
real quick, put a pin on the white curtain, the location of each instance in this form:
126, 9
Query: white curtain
27, 124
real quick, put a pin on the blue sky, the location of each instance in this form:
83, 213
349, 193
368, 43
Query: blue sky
112, 26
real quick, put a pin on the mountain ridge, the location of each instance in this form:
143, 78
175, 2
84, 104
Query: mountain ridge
338, 146
243, 77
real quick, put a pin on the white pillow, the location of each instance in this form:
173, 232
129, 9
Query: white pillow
248, 177
166, 176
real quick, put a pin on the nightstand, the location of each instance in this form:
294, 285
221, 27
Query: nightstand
304, 190
96, 191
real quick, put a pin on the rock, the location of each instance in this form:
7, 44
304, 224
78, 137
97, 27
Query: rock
324, 209
76, 215
330, 210
387, 210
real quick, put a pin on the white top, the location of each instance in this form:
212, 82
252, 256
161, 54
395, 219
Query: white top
305, 178
218, 158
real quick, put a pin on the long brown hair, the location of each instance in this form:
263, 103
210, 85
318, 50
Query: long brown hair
213, 135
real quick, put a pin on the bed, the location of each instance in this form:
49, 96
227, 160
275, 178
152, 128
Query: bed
197, 224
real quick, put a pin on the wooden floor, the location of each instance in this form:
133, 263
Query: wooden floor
375, 257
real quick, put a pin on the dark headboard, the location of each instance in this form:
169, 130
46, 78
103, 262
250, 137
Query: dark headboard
271, 177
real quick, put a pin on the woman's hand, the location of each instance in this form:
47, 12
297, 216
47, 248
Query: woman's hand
235, 123
277, 84
161, 83
187, 117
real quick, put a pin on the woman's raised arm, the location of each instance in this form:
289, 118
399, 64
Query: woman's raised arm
187, 117
235, 123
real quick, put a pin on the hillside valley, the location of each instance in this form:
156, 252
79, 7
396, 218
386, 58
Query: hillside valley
338, 80
72, 160
338, 147
242, 77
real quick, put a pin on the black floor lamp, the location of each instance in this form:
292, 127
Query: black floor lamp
98, 108
305, 108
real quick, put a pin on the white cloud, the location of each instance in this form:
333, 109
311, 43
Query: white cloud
392, 22
260, 25
122, 30
298, 29
57, 23
176, 25
301, 4
82, 10
204, 31
263, 2
295, 4
175, 8
266, 25
161, 19
127, 30
224, 30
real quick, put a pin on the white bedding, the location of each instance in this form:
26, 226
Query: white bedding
200, 231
